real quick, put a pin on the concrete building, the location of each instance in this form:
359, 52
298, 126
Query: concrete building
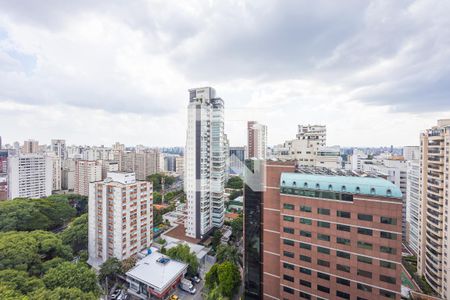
329, 157
3, 174
56, 171
318, 236
237, 157
120, 217
314, 133
144, 163
256, 140
411, 152
29, 176
413, 204
204, 162
59, 148
30, 146
109, 166
86, 171
433, 259
68, 174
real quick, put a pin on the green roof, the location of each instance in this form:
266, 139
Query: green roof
348, 184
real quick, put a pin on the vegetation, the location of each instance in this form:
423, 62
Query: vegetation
237, 227
70, 275
227, 253
20, 281
62, 293
183, 253
235, 194
109, 271
222, 280
157, 178
79, 202
215, 242
235, 182
128, 263
158, 213
76, 235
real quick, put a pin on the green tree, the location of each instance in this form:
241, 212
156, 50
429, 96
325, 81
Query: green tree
237, 227
128, 263
7, 292
235, 194
110, 269
183, 253
157, 198
70, 275
235, 182
20, 281
76, 235
157, 178
62, 294
52, 263
223, 280
215, 242
227, 253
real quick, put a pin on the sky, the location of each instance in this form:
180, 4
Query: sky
96, 72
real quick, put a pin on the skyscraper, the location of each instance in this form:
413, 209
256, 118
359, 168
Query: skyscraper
204, 162
86, 171
59, 148
30, 146
433, 259
256, 140
413, 204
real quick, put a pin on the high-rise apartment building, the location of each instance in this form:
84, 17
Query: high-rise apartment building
29, 176
204, 162
411, 152
68, 174
59, 148
413, 204
30, 146
310, 235
179, 165
86, 171
256, 140
56, 171
120, 217
143, 164
3, 174
316, 133
434, 239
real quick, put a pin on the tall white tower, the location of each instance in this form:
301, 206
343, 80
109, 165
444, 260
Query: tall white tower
204, 162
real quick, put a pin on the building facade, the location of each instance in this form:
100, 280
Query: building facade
413, 205
204, 162
3, 174
256, 140
30, 146
120, 217
86, 171
310, 236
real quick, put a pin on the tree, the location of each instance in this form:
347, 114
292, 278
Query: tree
110, 269
216, 239
235, 182
183, 253
128, 263
235, 194
76, 235
157, 198
62, 293
7, 292
157, 178
70, 275
237, 227
223, 279
227, 253
20, 281
52, 263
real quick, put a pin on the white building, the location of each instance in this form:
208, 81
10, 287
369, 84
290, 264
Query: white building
29, 176
204, 162
120, 217
411, 152
57, 171
313, 133
59, 148
68, 174
85, 173
413, 204
329, 157
179, 165
256, 140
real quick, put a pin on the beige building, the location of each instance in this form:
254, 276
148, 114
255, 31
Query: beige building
433, 258
56, 170
86, 171
144, 163
256, 140
179, 165
30, 146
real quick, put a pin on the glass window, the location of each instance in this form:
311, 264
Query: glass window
342, 227
343, 254
342, 281
364, 217
387, 294
343, 268
387, 220
387, 279
305, 246
365, 231
305, 283
305, 295
288, 266
323, 211
288, 278
388, 250
305, 221
342, 295
288, 254
364, 245
288, 206
342, 241
305, 271
288, 218
305, 258
323, 237
388, 235
323, 263
305, 233
323, 250
323, 224
364, 287
364, 273
343, 214
323, 276
305, 208
288, 290
288, 230
366, 260
386, 264
288, 242
323, 289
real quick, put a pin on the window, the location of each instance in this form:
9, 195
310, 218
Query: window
288, 206
323, 237
364, 245
364, 273
288, 290
388, 235
343, 268
288, 278
366, 260
387, 220
361, 298
388, 250
288, 230
343, 227
323, 211
323, 250
388, 265
305, 258
288, 266
387, 294
305, 283
342, 295
305, 246
342, 281
305, 271
323, 276
288, 242
364, 287
323, 263
323, 224
305, 233
343, 214
364, 217
387, 279
305, 295
342, 241
323, 289
288, 254
305, 208
288, 218
365, 231
343, 254
305, 221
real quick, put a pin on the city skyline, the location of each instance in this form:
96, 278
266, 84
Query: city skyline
373, 72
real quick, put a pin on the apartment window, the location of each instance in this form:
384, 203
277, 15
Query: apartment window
323, 224
342, 281
305, 246
323, 250
388, 250
364, 273
305, 258
288, 206
288, 242
388, 265
305, 233
288, 290
323, 276
361, 298
323, 289
343, 214
364, 217
288, 218
366, 260
288, 230
343, 227
365, 231
323, 263
342, 241
388, 235
387, 220
288, 266
343, 268
387, 279
305, 283
305, 221
365, 288
387, 294
288, 254
305, 295
323, 211
364, 245
323, 237
343, 254
342, 295
305, 208
305, 271
288, 278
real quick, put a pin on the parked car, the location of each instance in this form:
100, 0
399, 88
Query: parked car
187, 286
195, 279
115, 295
174, 297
